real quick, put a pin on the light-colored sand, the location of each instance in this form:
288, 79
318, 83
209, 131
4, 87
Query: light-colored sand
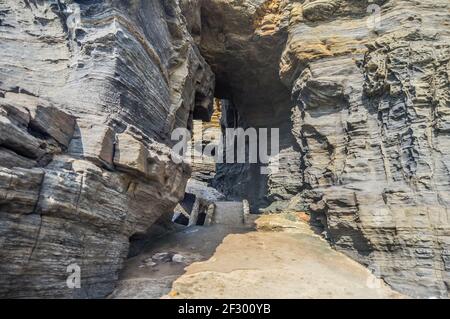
291, 263
284, 259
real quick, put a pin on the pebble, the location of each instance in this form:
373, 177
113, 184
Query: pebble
177, 258
148, 263
162, 257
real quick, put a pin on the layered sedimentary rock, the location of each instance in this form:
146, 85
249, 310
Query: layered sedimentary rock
360, 91
205, 140
372, 117
89, 94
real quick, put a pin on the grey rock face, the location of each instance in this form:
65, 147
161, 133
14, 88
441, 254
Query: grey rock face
371, 123
89, 94
363, 111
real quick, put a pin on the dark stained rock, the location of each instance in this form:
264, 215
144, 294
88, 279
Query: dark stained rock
90, 92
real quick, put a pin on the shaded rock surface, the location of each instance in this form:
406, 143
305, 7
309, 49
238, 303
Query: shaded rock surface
283, 259
89, 94
204, 144
363, 109
139, 280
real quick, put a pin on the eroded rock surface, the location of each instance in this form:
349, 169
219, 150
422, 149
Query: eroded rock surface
89, 94
283, 259
363, 109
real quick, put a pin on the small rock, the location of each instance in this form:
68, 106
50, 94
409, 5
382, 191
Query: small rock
148, 263
177, 258
325, 235
164, 257
151, 264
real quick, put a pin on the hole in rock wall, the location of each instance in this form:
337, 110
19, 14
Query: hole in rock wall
184, 209
201, 218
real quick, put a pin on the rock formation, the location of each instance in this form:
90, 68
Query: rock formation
362, 102
205, 139
90, 92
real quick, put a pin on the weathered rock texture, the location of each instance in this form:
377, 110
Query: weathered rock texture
205, 140
90, 91
363, 112
89, 94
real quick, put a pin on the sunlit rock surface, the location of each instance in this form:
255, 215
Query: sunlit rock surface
362, 103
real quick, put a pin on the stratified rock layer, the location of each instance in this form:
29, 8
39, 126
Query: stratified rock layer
89, 94
360, 91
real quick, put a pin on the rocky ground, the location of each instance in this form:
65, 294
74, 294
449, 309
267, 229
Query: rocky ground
282, 258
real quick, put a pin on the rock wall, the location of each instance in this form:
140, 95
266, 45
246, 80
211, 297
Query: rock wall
90, 91
89, 94
204, 142
371, 117
363, 109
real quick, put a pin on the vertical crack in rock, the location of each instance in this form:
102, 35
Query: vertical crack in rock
37, 212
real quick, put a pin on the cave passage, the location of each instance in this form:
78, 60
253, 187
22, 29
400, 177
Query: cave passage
246, 62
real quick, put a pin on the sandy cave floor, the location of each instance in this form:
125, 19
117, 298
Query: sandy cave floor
282, 258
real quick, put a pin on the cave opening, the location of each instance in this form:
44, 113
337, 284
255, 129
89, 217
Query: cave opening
246, 63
